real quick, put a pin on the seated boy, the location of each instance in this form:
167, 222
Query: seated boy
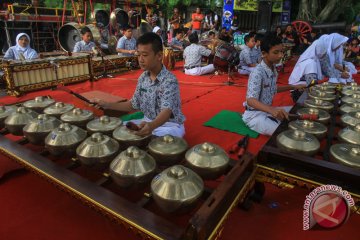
248, 56
86, 44
260, 115
192, 56
126, 45
177, 41
257, 48
157, 92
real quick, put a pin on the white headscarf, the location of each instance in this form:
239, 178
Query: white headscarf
14, 52
335, 42
18, 47
156, 28
309, 62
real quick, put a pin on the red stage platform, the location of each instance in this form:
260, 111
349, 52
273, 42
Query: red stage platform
34, 209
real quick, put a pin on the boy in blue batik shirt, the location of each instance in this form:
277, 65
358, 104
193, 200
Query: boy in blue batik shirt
177, 42
157, 93
86, 44
126, 45
248, 56
260, 115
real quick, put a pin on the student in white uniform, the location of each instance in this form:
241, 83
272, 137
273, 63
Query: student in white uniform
192, 56
157, 93
335, 71
308, 68
248, 56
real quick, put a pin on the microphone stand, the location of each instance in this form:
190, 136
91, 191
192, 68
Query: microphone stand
230, 79
104, 74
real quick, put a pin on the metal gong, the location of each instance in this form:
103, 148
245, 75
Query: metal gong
69, 34
102, 17
346, 154
39, 103
325, 89
352, 86
329, 85
176, 189
64, 138
79, 117
298, 141
135, 19
97, 150
132, 168
58, 109
350, 134
355, 98
323, 116
208, 160
38, 128
350, 119
350, 91
119, 18
104, 124
17, 120
322, 95
319, 130
143, 28
112, 42
317, 103
347, 108
96, 36
167, 150
5, 111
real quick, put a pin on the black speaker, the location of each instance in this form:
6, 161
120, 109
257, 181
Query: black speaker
264, 15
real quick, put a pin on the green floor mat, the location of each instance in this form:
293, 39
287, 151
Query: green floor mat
132, 116
232, 122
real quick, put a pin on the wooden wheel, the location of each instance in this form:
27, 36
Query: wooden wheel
302, 28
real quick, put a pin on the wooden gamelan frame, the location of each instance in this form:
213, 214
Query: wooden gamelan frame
206, 223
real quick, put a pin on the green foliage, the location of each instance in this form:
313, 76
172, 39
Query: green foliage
173, 3
350, 12
56, 4
101, 6
356, 9
148, 1
186, 2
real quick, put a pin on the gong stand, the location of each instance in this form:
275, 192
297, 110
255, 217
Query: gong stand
104, 74
55, 68
230, 78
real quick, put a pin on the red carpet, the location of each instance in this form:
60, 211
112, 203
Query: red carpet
34, 209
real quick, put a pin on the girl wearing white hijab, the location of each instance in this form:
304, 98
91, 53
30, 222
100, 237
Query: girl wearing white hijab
22, 49
329, 65
157, 30
308, 68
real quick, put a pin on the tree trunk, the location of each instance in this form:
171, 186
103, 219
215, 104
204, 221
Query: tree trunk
304, 13
328, 10
338, 11
314, 7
